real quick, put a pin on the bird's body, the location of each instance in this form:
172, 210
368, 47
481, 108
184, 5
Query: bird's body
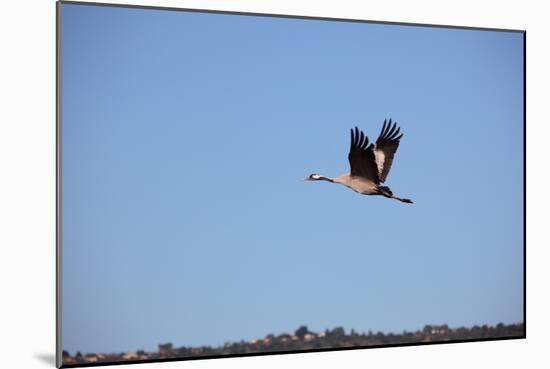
358, 184
369, 164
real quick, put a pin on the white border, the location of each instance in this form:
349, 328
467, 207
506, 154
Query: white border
27, 188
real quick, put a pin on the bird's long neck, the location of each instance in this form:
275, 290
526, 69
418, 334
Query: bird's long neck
322, 178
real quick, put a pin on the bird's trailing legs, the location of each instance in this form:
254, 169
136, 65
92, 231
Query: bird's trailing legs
408, 201
385, 191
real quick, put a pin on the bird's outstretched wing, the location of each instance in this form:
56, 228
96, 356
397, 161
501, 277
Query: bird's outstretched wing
385, 148
361, 157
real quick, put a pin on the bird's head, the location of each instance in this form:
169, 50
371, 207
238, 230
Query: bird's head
313, 177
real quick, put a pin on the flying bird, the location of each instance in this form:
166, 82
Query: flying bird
369, 164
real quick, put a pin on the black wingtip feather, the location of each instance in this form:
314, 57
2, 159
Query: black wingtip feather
394, 135
386, 128
391, 131
358, 139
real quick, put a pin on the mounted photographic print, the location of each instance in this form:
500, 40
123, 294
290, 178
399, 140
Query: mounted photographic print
235, 184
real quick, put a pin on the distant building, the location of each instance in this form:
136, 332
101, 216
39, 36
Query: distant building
91, 358
129, 356
435, 331
165, 349
69, 360
196, 350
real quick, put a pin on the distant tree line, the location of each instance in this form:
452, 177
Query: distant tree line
304, 339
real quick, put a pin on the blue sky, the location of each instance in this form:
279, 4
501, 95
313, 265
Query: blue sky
186, 138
